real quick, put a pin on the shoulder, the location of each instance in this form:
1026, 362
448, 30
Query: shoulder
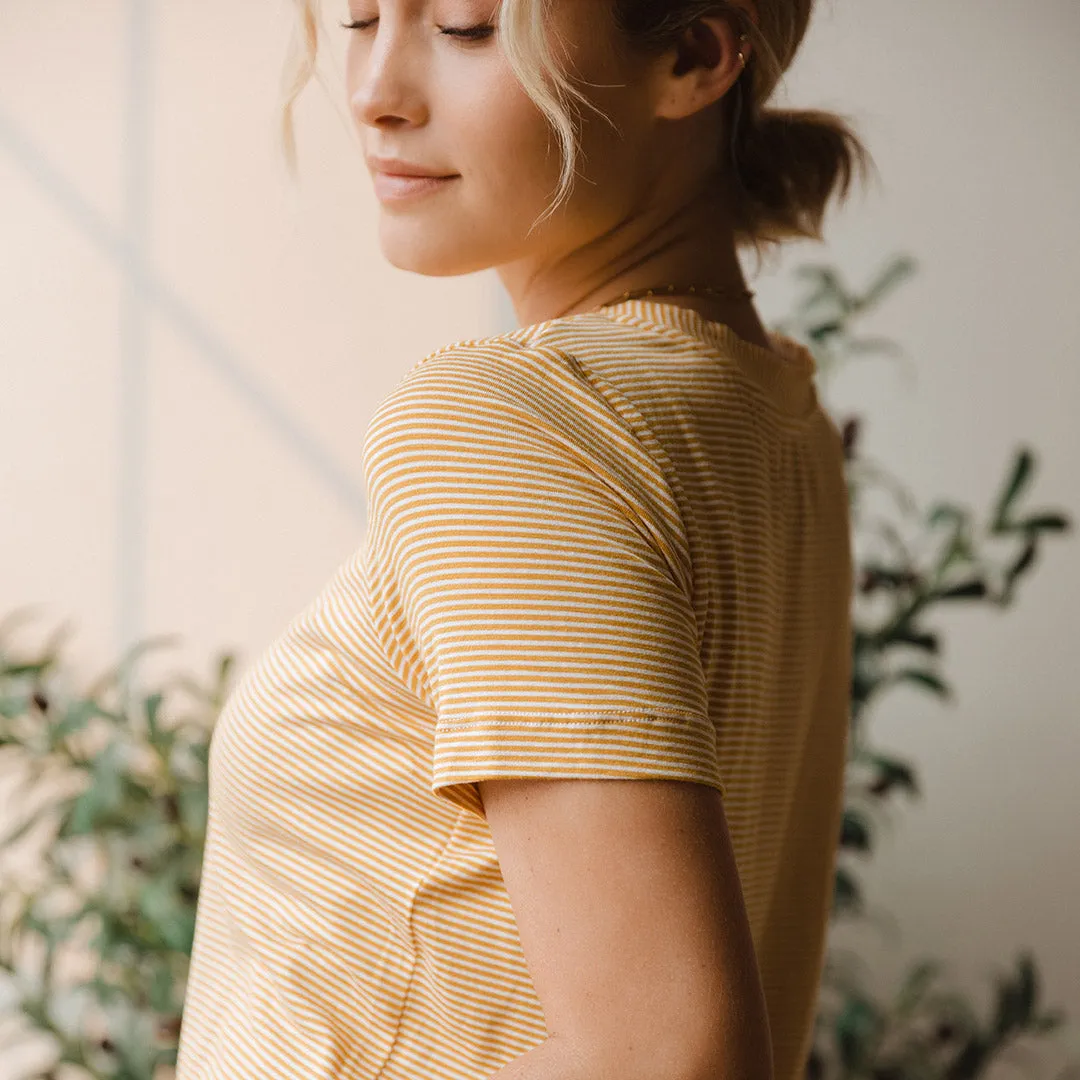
514, 359
470, 401
522, 378
518, 408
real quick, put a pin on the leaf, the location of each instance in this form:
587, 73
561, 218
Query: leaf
152, 705
906, 635
824, 330
102, 990
1025, 560
970, 1061
226, 663
11, 706
957, 551
158, 903
1023, 466
854, 831
847, 896
1050, 1020
79, 821
1046, 523
1027, 984
946, 512
973, 589
876, 575
916, 984
161, 989
864, 683
180, 934
926, 679
194, 808
894, 773
102, 797
856, 1030
896, 270
75, 718
1016, 998
35, 668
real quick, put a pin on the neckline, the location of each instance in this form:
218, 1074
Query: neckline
785, 371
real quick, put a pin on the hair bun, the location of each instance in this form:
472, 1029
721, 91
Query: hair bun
786, 165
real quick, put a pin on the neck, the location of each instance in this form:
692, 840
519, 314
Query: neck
694, 245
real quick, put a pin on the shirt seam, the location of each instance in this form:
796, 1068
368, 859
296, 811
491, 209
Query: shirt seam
603, 717
677, 334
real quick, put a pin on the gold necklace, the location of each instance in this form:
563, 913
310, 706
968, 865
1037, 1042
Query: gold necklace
673, 290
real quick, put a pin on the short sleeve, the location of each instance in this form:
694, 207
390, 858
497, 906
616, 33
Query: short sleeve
525, 584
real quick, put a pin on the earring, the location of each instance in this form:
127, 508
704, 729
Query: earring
742, 56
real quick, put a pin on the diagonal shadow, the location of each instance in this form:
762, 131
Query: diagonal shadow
153, 290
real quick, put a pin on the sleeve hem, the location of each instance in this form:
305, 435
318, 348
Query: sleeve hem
578, 718
631, 746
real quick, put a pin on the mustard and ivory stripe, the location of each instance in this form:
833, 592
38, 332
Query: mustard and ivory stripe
612, 545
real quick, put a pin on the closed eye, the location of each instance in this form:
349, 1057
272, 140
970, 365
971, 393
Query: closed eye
470, 33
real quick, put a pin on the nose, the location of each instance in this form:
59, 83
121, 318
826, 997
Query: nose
387, 88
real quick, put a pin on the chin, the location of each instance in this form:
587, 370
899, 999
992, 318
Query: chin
422, 247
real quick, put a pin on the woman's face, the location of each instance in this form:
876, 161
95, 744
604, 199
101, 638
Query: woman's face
443, 102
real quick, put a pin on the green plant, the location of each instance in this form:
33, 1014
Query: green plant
112, 787
96, 942
943, 555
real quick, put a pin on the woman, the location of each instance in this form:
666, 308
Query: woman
609, 545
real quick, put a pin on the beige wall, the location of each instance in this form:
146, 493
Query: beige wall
234, 371
181, 421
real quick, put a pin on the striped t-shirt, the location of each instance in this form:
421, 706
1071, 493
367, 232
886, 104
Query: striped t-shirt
609, 545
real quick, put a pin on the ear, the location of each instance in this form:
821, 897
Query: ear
701, 68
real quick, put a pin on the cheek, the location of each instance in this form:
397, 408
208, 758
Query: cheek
515, 158
509, 152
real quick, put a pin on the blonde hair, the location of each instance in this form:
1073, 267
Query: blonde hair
786, 164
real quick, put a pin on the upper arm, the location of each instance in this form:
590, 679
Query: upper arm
631, 918
534, 584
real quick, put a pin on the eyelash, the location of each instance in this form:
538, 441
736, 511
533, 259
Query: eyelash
469, 33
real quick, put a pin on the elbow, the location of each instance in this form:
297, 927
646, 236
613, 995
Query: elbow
739, 1048
732, 1067
744, 1054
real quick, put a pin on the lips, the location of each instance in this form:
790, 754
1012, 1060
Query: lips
393, 186
400, 167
